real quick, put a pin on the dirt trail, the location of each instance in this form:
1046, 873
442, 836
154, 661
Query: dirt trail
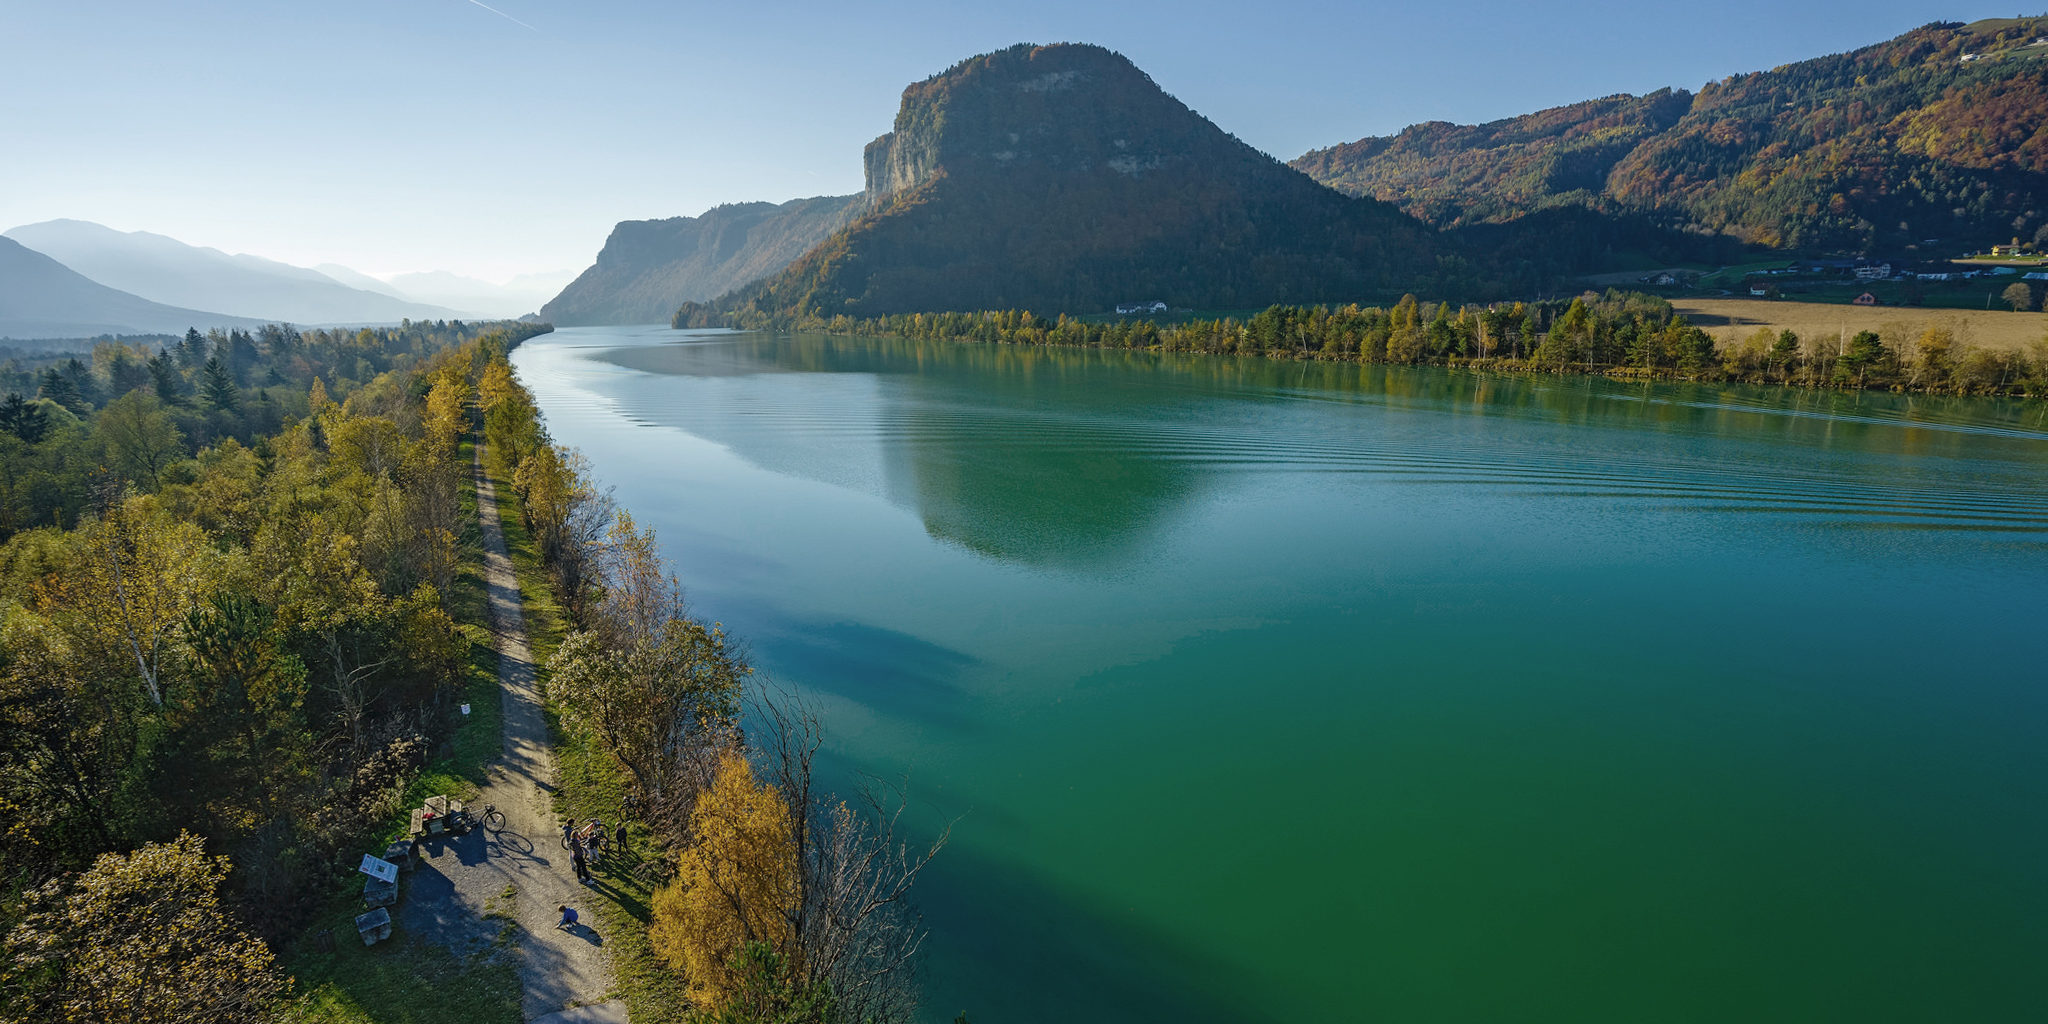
457, 896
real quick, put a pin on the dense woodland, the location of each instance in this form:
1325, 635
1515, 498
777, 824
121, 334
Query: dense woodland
130, 415
1618, 334
1936, 134
226, 642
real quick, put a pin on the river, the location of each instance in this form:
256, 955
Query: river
1272, 691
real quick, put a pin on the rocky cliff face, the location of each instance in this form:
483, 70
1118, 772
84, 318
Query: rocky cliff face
1062, 179
892, 167
649, 267
1069, 108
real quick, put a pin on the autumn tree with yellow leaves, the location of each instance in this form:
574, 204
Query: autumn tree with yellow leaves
736, 882
141, 938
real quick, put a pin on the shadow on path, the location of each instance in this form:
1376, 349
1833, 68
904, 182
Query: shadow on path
481, 891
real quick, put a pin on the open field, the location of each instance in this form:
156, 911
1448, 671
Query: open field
1737, 317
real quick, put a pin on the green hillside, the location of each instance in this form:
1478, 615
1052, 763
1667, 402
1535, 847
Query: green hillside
1936, 135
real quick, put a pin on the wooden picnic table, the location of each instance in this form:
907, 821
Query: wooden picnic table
436, 816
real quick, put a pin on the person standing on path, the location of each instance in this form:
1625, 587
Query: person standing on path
582, 866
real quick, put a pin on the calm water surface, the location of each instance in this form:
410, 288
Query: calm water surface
1279, 692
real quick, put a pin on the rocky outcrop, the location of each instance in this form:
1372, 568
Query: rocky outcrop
1063, 179
649, 267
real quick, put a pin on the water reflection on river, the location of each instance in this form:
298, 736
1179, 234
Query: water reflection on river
1282, 691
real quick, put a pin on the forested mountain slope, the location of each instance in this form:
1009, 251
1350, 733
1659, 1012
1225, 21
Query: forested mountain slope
1938, 134
649, 267
1061, 178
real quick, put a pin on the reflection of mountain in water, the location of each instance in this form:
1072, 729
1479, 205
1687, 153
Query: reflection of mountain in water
1075, 457
1039, 456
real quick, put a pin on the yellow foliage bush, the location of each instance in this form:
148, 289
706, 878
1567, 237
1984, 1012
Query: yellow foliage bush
736, 883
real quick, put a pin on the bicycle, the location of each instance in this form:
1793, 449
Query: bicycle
492, 818
592, 845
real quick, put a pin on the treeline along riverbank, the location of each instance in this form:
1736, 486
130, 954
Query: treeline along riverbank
777, 901
1615, 334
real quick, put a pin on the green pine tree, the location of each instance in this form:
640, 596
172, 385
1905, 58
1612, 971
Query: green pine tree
217, 386
23, 419
170, 384
61, 389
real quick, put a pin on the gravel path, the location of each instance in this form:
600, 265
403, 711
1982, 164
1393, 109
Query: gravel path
475, 892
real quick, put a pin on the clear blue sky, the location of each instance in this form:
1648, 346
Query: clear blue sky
401, 135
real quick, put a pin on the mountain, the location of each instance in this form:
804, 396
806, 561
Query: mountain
1452, 175
1061, 178
357, 279
649, 267
522, 294
1935, 135
42, 298
166, 270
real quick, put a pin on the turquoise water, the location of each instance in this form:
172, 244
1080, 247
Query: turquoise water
1269, 691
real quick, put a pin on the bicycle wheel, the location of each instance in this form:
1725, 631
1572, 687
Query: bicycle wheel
494, 819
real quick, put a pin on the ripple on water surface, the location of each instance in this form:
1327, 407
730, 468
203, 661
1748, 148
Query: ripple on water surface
1279, 691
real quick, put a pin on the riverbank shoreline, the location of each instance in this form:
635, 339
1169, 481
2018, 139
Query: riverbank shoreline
1619, 336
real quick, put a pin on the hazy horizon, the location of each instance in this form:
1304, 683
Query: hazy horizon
497, 142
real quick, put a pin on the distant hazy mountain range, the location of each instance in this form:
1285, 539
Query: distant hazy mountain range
649, 267
142, 283
42, 298
166, 270
517, 297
